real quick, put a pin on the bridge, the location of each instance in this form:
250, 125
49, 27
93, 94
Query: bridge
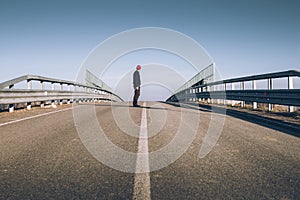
209, 140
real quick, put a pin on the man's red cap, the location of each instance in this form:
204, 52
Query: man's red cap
138, 67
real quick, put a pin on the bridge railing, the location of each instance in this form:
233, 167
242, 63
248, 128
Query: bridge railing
224, 91
66, 92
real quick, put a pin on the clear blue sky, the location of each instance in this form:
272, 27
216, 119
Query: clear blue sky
53, 38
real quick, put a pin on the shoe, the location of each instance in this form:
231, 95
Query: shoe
136, 105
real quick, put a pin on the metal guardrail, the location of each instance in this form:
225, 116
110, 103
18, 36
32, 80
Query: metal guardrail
74, 92
219, 91
93, 80
207, 75
28, 78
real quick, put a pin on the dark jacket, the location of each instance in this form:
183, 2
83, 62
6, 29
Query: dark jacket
136, 79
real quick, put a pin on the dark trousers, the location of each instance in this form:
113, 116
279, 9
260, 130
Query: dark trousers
136, 96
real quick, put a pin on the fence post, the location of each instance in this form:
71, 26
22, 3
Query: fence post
243, 88
291, 86
11, 108
29, 84
28, 105
209, 100
254, 88
270, 87
53, 104
200, 91
225, 102
232, 88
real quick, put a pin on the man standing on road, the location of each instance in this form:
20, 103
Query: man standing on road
136, 85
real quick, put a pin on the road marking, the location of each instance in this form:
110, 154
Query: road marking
35, 116
142, 171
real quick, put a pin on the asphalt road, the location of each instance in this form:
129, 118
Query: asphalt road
48, 157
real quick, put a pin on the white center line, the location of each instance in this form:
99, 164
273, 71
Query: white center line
142, 171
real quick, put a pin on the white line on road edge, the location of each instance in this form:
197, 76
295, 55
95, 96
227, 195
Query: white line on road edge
35, 116
142, 171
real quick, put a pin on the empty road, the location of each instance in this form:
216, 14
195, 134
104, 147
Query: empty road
55, 156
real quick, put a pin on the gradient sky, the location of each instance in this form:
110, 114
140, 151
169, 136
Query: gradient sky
53, 38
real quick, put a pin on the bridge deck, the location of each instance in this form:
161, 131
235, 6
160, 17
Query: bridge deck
43, 157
